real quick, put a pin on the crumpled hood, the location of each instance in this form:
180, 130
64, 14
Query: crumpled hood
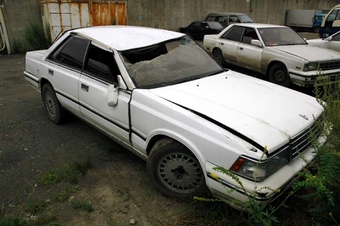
308, 52
264, 112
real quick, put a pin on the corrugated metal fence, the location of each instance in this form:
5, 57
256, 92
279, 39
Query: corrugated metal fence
61, 15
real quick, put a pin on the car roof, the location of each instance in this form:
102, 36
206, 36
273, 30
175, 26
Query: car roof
126, 37
257, 25
224, 14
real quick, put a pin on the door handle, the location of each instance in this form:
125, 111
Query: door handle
221, 43
85, 87
241, 48
50, 71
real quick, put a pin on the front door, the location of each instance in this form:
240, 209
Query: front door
99, 73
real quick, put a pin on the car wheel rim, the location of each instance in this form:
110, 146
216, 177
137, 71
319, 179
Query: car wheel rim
280, 76
218, 58
50, 104
180, 173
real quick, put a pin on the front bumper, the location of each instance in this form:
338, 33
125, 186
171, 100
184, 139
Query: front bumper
227, 189
310, 79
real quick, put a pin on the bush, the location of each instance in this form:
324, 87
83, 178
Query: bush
37, 37
322, 180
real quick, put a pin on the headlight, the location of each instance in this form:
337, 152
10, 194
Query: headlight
259, 170
312, 66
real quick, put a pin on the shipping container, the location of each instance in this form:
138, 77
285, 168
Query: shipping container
62, 15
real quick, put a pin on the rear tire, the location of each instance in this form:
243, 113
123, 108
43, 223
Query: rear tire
175, 171
219, 58
55, 112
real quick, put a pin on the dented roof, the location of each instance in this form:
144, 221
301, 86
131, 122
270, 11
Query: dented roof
126, 37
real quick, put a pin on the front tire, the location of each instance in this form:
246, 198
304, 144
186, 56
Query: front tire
175, 171
278, 74
53, 108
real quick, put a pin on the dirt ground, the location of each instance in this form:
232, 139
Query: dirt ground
117, 185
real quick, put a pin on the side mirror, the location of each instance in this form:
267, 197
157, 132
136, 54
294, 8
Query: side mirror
112, 95
113, 91
256, 42
328, 38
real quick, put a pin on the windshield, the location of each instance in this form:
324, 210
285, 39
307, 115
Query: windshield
280, 36
245, 19
168, 63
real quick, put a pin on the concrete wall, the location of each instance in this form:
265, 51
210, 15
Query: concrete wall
20, 14
172, 14
166, 14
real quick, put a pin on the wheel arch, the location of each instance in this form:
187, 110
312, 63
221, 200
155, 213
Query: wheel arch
185, 142
215, 49
43, 81
271, 64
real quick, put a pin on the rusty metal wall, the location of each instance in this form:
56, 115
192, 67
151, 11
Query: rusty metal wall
104, 13
61, 15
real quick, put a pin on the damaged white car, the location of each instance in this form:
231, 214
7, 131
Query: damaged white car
160, 95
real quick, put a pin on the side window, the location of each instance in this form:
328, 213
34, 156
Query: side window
71, 53
210, 18
336, 37
101, 64
249, 35
234, 34
204, 25
196, 24
334, 15
233, 19
222, 19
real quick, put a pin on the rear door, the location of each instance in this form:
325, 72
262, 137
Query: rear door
100, 72
229, 43
63, 68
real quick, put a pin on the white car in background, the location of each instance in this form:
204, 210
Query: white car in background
277, 52
161, 96
331, 42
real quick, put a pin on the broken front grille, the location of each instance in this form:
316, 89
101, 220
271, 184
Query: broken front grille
302, 141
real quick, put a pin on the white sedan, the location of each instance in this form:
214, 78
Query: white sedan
161, 96
277, 52
331, 42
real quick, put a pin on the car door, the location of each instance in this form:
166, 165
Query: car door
249, 55
334, 44
63, 68
101, 72
195, 29
229, 43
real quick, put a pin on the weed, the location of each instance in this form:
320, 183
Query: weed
64, 194
37, 37
35, 206
322, 181
16, 46
84, 166
4, 221
69, 173
45, 219
125, 194
82, 205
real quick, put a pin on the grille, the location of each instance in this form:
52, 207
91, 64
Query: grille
329, 65
302, 141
